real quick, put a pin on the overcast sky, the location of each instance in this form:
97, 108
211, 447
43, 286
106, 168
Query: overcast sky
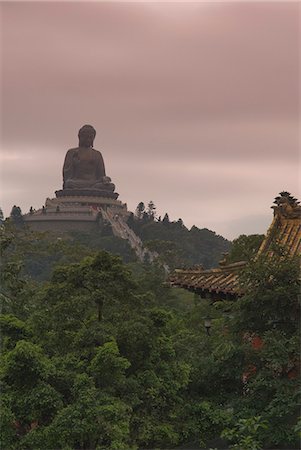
195, 104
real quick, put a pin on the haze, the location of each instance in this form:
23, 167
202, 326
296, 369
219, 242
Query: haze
195, 104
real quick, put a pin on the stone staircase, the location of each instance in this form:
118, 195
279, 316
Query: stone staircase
122, 230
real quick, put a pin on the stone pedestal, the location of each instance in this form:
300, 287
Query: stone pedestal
86, 193
69, 211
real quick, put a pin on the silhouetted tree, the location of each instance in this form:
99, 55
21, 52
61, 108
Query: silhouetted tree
180, 222
151, 210
16, 216
139, 210
166, 219
1, 216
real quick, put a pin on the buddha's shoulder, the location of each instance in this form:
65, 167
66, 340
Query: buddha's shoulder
92, 151
96, 153
72, 150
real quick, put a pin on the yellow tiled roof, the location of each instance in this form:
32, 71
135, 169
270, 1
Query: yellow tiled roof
286, 226
224, 281
220, 280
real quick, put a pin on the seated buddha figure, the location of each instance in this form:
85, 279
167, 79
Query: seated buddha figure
84, 167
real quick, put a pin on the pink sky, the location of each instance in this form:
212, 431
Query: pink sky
195, 104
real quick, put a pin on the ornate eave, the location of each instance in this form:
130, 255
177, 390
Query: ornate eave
222, 282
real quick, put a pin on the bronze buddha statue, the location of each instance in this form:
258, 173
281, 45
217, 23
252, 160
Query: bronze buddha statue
84, 169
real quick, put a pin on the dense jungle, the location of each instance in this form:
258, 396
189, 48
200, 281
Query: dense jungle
99, 352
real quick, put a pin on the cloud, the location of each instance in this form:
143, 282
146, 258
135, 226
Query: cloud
192, 103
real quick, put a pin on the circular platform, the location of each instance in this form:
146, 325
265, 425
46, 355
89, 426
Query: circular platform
86, 193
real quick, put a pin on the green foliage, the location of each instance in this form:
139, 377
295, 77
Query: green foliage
8, 437
247, 433
13, 330
92, 420
169, 252
100, 240
177, 245
244, 248
25, 365
27, 254
12, 327
107, 356
108, 367
39, 405
270, 310
272, 287
16, 216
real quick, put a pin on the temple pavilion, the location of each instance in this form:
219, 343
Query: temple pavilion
222, 283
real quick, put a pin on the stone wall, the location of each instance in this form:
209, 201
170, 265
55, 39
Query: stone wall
62, 225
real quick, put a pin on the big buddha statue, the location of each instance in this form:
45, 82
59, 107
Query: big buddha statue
84, 170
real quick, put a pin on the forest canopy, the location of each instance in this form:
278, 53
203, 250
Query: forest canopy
105, 355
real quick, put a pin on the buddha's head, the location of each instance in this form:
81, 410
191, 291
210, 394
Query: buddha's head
86, 136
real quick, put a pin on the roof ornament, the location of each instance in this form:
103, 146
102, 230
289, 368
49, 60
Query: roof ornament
286, 205
286, 197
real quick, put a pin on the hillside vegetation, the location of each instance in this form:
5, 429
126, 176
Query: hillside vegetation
176, 244
106, 356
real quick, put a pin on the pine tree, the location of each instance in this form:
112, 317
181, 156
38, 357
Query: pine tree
180, 222
151, 210
1, 216
16, 216
139, 210
166, 219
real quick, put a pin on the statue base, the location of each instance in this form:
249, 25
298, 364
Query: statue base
72, 212
86, 193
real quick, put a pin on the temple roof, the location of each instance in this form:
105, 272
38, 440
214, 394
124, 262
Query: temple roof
223, 282
286, 226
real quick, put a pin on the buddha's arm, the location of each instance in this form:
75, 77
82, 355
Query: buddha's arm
68, 166
100, 167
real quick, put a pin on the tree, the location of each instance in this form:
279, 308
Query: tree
266, 326
1, 216
139, 210
15, 290
108, 367
272, 288
180, 223
169, 252
166, 219
25, 365
247, 433
32, 400
244, 248
101, 357
92, 419
151, 210
99, 288
16, 216
13, 330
